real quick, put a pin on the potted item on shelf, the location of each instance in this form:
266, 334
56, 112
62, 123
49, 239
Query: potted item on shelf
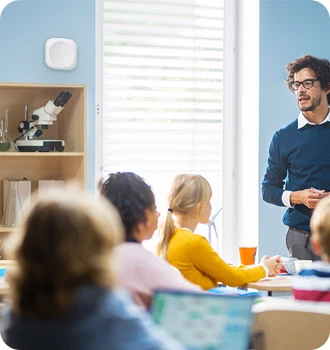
14, 194
6, 142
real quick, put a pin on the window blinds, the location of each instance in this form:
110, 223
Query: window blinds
162, 88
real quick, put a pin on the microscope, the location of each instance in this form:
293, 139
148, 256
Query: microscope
43, 117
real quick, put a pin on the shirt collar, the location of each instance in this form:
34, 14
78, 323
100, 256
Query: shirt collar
302, 120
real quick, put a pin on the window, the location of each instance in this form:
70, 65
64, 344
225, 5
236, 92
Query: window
163, 92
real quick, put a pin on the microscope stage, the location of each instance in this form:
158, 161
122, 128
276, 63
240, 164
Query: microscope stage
40, 145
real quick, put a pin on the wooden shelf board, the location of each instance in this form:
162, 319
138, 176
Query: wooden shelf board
42, 154
30, 86
6, 229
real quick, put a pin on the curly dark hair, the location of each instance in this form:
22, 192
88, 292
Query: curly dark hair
131, 196
320, 66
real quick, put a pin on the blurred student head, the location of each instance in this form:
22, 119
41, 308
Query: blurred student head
65, 239
320, 226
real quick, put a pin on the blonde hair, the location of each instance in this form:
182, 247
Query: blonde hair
188, 196
65, 240
320, 224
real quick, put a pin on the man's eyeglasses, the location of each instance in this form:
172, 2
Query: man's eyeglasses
307, 84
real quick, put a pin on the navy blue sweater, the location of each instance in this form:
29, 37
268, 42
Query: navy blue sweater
298, 159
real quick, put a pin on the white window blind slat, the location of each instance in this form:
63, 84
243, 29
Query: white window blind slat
174, 9
129, 18
154, 83
162, 94
208, 3
165, 41
176, 118
134, 29
161, 53
165, 63
166, 73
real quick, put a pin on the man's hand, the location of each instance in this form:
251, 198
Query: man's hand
309, 197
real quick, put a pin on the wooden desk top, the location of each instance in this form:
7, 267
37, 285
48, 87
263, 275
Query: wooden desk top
281, 283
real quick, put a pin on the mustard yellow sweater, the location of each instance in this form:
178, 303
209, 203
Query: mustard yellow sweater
200, 264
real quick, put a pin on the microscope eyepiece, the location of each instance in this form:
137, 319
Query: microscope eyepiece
62, 99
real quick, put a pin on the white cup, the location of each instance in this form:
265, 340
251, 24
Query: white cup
287, 265
302, 264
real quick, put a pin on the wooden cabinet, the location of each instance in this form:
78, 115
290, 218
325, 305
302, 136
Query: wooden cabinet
70, 127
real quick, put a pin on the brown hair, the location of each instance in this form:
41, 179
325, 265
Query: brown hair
64, 240
187, 192
320, 224
320, 66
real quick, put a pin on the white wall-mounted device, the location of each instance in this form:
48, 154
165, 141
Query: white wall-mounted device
61, 53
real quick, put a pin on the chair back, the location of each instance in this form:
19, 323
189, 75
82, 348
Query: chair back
290, 324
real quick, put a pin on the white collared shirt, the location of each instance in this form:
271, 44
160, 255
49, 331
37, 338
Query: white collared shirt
302, 121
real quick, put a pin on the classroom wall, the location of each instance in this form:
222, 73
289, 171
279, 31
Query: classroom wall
25, 26
288, 29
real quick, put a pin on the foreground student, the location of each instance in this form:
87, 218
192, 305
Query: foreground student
189, 205
313, 283
62, 291
139, 271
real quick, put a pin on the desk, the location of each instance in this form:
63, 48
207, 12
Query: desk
281, 283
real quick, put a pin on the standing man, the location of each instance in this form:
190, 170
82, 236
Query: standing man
298, 171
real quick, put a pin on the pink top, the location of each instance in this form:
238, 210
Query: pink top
141, 272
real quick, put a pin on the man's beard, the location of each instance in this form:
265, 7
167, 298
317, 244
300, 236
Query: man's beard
307, 109
315, 103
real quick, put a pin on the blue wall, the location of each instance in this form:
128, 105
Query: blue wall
26, 25
288, 29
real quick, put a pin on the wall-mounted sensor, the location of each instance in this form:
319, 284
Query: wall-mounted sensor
61, 53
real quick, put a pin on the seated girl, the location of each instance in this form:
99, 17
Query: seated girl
63, 289
188, 205
139, 270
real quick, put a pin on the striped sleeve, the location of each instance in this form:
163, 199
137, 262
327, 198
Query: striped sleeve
312, 284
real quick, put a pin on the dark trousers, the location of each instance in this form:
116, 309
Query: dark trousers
299, 245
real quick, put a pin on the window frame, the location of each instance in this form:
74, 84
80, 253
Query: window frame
228, 248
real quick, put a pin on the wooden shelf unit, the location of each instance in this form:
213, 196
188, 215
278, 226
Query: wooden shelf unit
70, 126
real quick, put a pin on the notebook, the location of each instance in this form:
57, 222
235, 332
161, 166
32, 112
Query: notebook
204, 321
